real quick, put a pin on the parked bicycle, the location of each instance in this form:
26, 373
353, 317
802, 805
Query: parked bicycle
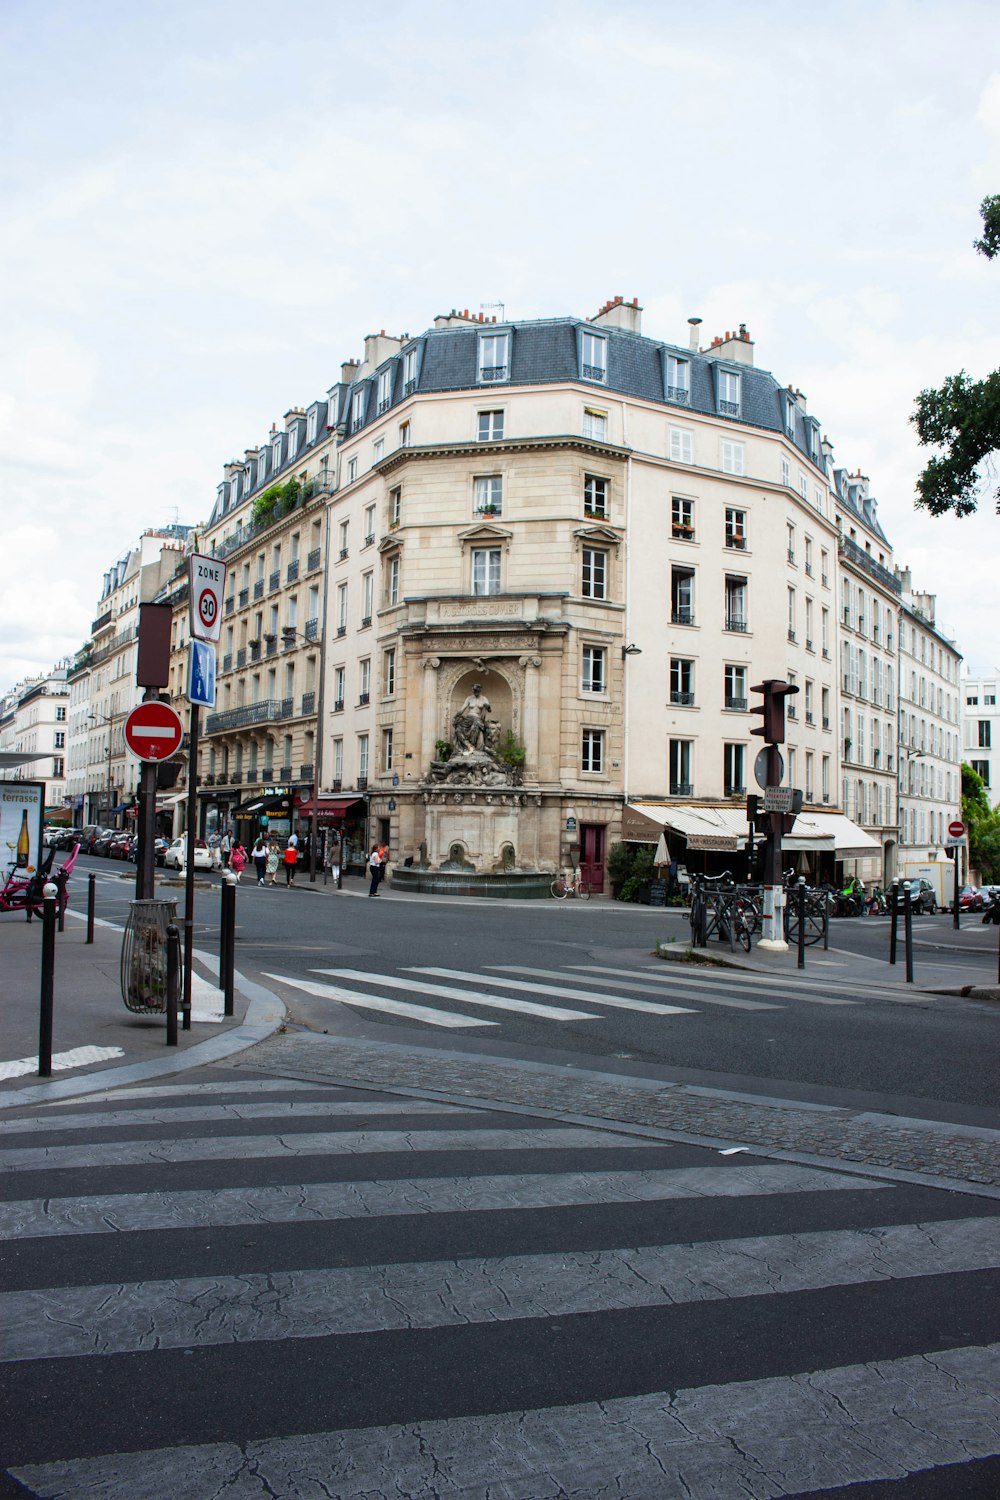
26, 893
571, 883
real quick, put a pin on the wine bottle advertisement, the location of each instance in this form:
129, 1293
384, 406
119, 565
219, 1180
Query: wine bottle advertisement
22, 805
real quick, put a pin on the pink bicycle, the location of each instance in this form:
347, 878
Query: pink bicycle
25, 893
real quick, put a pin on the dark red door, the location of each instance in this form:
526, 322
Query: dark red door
592, 855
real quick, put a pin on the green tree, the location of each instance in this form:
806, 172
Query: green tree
961, 417
983, 823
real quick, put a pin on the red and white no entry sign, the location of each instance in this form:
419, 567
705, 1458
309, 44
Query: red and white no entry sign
153, 731
956, 829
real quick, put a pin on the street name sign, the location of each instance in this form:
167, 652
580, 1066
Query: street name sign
208, 583
779, 799
153, 731
954, 841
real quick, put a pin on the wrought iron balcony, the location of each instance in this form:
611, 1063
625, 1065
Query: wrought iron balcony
244, 597
306, 771
737, 623
681, 789
241, 657
292, 571
678, 393
264, 711
284, 773
308, 703
274, 581
682, 615
594, 372
739, 704
312, 628
682, 700
314, 559
258, 588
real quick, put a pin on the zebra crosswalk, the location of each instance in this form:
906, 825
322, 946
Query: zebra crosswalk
394, 1296
576, 993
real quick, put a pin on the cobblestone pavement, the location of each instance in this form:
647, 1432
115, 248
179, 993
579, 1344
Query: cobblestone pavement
926, 1149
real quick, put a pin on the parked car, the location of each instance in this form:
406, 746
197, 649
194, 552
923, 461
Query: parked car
89, 836
923, 898
121, 846
68, 837
50, 833
102, 843
970, 898
160, 847
204, 857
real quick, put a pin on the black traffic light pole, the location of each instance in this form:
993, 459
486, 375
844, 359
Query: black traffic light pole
772, 732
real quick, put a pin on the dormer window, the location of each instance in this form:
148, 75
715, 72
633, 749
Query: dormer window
247, 480
678, 379
293, 440
729, 393
384, 390
262, 466
312, 423
276, 454
790, 418
357, 409
409, 372
494, 356
593, 357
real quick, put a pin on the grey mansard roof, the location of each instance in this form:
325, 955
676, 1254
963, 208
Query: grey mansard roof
545, 352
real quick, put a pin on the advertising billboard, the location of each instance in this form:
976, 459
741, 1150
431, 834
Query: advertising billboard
22, 808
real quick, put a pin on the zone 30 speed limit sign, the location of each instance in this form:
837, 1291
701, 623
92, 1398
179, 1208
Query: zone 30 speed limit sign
208, 581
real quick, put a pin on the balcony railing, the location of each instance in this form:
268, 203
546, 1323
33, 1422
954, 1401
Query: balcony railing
241, 657
227, 662
271, 645
308, 703
739, 704
682, 614
244, 597
285, 773
274, 581
312, 628
735, 791
255, 651
363, 698
258, 588
736, 622
366, 621
682, 700
492, 372
737, 543
362, 783
292, 571
864, 560
314, 559
338, 705
264, 711
729, 408
678, 393
230, 605
681, 789
594, 372
306, 771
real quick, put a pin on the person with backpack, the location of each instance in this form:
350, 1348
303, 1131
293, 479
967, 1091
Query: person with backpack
259, 856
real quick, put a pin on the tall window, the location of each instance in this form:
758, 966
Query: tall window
681, 518
983, 730
389, 671
387, 749
392, 580
731, 457
736, 688
357, 408
362, 757
681, 445
493, 356
729, 393
592, 750
409, 371
369, 525
395, 505
595, 496
338, 762
365, 680
678, 379
338, 688
595, 425
736, 528
486, 570
791, 614
680, 768
734, 769
682, 681
342, 535
682, 596
594, 582
367, 595
384, 390
736, 603
594, 676
488, 494
593, 357
341, 608
490, 426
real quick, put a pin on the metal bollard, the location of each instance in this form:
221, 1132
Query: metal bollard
173, 981
908, 932
893, 919
227, 944
91, 903
801, 962
50, 893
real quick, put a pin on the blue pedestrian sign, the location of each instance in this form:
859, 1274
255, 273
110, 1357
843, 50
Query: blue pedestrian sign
201, 684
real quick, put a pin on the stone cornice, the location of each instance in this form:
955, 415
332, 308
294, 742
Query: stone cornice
484, 452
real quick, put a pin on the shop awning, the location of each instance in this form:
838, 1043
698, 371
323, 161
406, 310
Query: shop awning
708, 827
262, 804
329, 808
170, 800
830, 831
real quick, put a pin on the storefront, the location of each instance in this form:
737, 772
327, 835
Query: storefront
342, 820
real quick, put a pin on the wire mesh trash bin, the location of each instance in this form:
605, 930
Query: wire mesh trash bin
144, 956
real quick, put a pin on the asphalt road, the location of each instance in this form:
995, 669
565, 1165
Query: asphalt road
567, 981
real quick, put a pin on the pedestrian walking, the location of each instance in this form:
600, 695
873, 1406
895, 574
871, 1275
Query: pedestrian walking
291, 860
226, 847
237, 859
335, 856
259, 856
375, 865
273, 861
383, 861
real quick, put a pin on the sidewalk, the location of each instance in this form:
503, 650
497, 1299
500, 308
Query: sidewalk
92, 1029
945, 962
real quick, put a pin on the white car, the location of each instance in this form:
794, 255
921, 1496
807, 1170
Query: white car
204, 857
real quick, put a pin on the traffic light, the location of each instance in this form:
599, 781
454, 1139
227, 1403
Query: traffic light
772, 710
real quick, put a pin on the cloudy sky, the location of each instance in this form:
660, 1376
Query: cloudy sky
207, 206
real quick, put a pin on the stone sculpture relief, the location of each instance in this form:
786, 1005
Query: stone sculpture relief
475, 736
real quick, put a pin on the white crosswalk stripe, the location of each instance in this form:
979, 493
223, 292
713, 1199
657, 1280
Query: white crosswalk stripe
613, 1002
404, 1311
685, 980
469, 994
367, 1000
677, 985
